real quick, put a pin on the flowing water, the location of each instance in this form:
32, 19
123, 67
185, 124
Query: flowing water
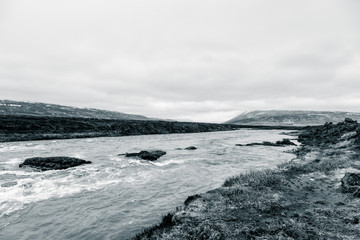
116, 197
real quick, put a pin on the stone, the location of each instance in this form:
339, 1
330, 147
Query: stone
191, 199
349, 120
282, 143
285, 141
351, 183
191, 148
53, 163
147, 155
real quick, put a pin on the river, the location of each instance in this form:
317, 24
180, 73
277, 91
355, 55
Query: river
116, 197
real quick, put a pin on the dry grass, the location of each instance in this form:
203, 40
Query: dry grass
326, 162
287, 203
257, 179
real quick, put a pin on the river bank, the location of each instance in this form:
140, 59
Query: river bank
301, 199
119, 195
27, 128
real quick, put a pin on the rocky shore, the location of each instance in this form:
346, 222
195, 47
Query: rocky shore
313, 196
282, 143
27, 128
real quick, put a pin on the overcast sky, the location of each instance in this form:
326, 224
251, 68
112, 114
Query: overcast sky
200, 60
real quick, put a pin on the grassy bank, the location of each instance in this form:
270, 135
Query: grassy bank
301, 199
24, 128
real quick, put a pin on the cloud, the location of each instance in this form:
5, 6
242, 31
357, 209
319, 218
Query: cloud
201, 60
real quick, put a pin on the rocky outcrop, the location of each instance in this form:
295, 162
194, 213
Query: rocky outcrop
282, 143
191, 199
351, 183
343, 135
265, 143
53, 163
190, 148
187, 148
285, 141
147, 155
330, 133
299, 118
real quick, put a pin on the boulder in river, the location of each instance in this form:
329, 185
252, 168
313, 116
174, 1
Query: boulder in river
191, 148
191, 199
147, 155
285, 141
282, 143
351, 183
53, 163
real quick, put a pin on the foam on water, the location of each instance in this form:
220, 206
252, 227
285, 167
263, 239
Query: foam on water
168, 162
20, 148
33, 186
120, 191
12, 161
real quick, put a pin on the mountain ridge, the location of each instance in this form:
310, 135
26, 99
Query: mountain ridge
291, 117
21, 108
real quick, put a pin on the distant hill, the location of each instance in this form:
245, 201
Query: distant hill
26, 128
16, 108
292, 118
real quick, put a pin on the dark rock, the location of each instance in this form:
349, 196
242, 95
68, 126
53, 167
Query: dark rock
357, 193
147, 155
153, 155
191, 199
187, 148
320, 202
53, 163
351, 183
130, 154
285, 141
349, 120
282, 143
265, 143
167, 221
330, 133
352, 220
191, 148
